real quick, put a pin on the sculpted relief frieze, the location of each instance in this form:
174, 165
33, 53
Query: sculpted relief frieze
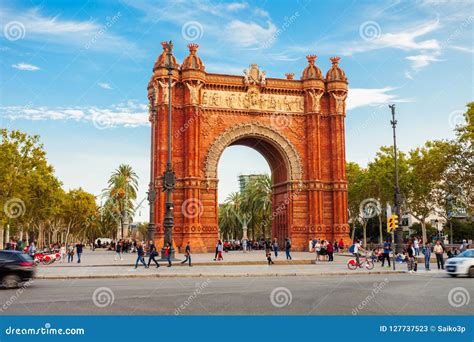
252, 100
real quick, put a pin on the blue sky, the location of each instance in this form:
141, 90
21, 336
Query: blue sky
77, 74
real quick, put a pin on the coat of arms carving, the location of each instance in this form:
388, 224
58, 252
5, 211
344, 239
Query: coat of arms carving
254, 76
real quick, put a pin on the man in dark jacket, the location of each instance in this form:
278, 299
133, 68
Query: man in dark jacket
153, 254
79, 248
288, 248
140, 254
187, 254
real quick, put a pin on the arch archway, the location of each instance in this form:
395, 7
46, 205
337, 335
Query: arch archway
281, 156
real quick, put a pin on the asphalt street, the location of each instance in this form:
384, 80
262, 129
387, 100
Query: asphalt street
396, 294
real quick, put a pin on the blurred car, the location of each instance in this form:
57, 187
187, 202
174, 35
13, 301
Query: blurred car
15, 268
461, 264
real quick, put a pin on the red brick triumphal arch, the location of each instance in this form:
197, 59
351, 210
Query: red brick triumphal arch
297, 125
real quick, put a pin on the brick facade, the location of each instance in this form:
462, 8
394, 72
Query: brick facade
297, 125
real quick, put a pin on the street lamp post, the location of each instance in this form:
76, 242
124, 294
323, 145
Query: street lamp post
151, 186
398, 235
169, 179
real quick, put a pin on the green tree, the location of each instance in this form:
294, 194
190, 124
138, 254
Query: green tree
121, 192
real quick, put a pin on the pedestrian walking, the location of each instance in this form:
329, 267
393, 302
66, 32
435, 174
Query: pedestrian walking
187, 254
219, 250
288, 248
439, 251
386, 253
140, 255
63, 253
268, 254
275, 247
330, 251
168, 254
153, 254
427, 253
79, 247
70, 253
119, 250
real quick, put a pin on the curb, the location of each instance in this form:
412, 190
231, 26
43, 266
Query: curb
207, 263
218, 275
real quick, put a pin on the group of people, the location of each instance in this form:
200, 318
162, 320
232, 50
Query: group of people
152, 252
414, 249
325, 249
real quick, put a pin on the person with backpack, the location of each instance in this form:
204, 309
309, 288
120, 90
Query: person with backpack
354, 249
288, 248
386, 253
153, 254
70, 253
187, 254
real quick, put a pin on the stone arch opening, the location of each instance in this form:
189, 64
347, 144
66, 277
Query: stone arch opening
282, 158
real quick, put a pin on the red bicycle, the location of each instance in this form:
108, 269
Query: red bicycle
364, 262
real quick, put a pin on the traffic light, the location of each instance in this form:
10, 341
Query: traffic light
392, 223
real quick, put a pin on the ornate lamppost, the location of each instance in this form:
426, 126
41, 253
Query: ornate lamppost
151, 186
169, 178
398, 234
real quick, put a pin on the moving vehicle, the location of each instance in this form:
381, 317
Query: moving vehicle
461, 264
15, 268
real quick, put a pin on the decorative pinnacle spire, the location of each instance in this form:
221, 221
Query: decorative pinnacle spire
164, 45
289, 75
311, 58
335, 60
193, 47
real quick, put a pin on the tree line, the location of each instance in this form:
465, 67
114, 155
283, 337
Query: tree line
35, 206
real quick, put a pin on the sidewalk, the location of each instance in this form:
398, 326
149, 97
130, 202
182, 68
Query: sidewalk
101, 264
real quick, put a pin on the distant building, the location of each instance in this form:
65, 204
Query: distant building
245, 179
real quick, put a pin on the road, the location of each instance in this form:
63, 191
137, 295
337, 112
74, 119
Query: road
396, 294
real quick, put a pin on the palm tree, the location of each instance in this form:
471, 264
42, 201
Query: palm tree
121, 192
253, 207
258, 195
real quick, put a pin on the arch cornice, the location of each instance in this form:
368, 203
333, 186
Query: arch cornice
258, 130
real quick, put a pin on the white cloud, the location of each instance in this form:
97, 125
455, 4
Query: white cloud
236, 6
130, 114
104, 86
249, 34
25, 67
363, 97
404, 40
463, 49
421, 61
54, 30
